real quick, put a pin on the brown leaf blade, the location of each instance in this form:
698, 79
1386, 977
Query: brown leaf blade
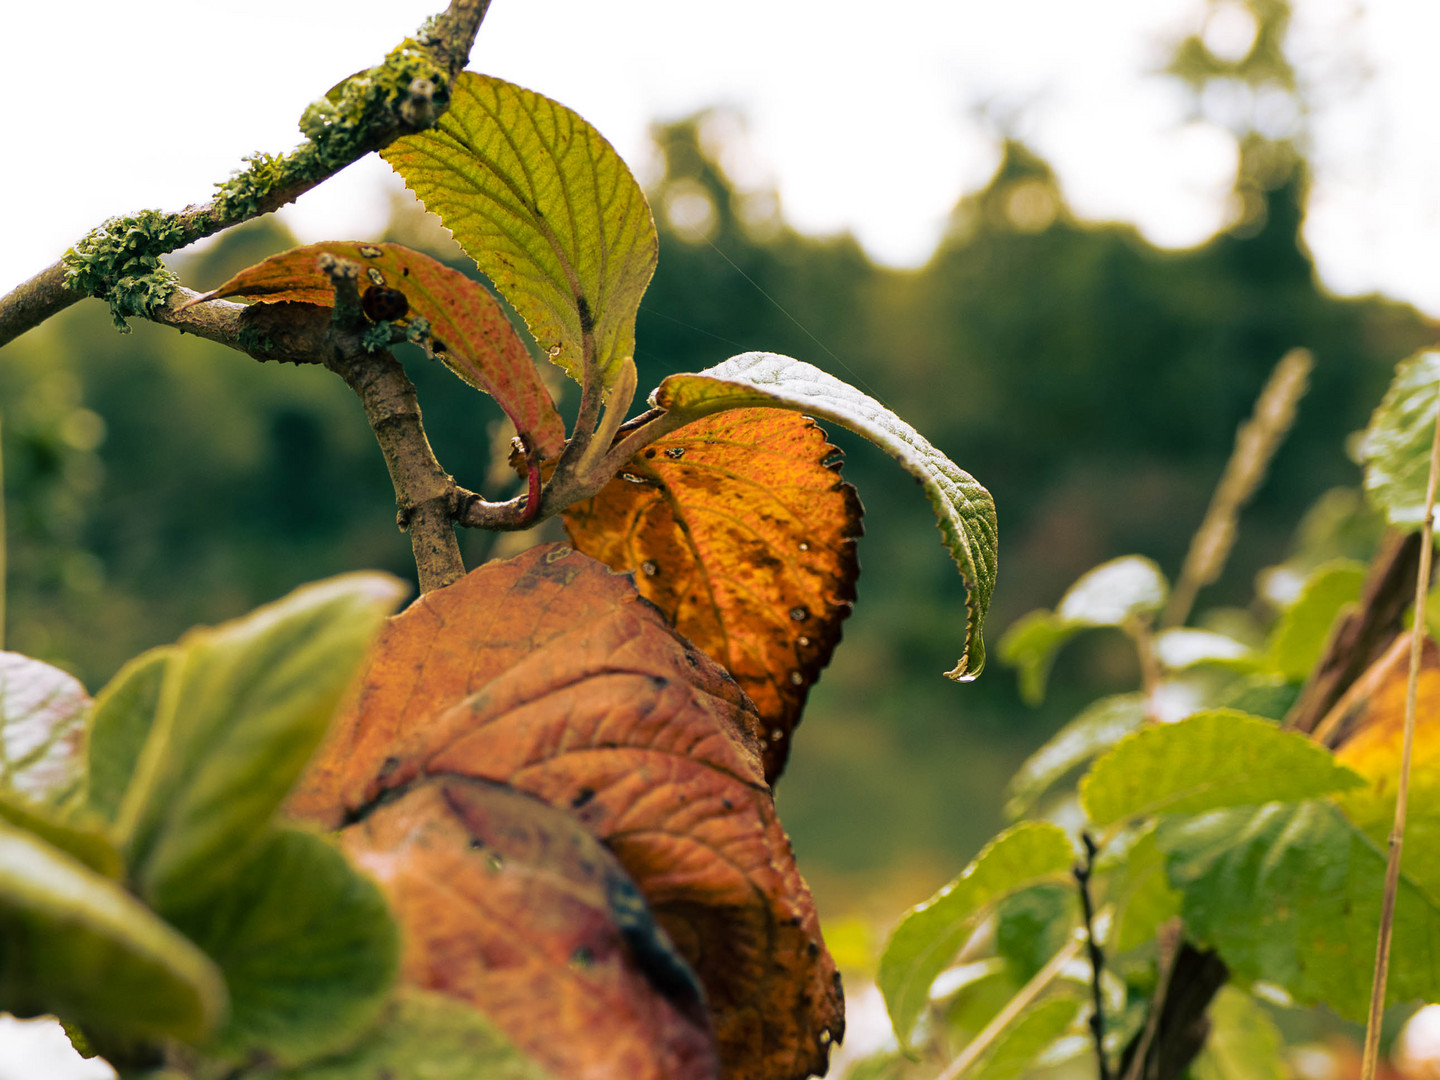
741, 533
550, 674
511, 905
470, 332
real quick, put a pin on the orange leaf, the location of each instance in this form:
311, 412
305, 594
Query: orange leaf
510, 905
738, 530
549, 673
469, 330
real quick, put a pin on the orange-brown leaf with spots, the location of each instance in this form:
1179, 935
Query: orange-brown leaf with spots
511, 905
740, 529
469, 331
549, 673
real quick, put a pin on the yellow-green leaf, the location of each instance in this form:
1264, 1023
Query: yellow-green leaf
42, 729
548, 211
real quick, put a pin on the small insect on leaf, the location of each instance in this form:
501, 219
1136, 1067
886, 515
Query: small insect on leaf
382, 304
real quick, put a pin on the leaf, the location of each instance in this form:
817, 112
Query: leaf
1182, 647
1099, 726
422, 1036
1109, 595
1141, 893
1372, 748
930, 935
1300, 636
468, 329
77, 944
77, 835
1213, 759
120, 722
1026, 1038
241, 709
1290, 893
1032, 926
510, 905
42, 729
1243, 1043
548, 211
737, 529
1395, 449
964, 510
549, 673
1267, 696
307, 947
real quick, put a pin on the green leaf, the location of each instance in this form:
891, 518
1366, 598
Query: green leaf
1030, 645
78, 945
1208, 761
42, 729
422, 1036
1109, 595
1114, 592
929, 935
1267, 696
86, 840
1100, 726
964, 510
1184, 647
548, 211
1243, 1044
242, 707
119, 724
1290, 893
1026, 1038
307, 947
1299, 637
1033, 925
1395, 449
1141, 893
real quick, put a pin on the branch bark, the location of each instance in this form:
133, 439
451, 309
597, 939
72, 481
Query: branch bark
447, 43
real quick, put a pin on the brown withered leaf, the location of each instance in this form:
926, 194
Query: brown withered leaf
511, 905
549, 673
738, 529
470, 332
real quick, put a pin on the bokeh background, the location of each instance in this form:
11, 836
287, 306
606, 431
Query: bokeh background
1081, 322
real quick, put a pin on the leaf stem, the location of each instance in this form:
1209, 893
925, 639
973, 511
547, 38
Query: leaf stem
1082, 874
1013, 1008
1402, 790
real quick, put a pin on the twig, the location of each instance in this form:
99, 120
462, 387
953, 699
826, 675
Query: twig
1013, 1008
1082, 873
1255, 444
447, 43
1402, 790
1168, 939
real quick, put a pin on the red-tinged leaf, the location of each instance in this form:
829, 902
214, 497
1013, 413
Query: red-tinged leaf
549, 673
741, 533
511, 905
469, 330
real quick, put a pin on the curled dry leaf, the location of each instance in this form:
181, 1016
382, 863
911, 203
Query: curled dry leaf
511, 905
469, 331
739, 528
549, 673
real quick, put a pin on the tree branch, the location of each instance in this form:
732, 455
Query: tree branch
270, 183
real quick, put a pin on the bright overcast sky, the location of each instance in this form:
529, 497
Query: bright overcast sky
864, 115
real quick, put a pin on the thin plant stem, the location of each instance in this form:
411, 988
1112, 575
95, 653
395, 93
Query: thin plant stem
1255, 444
1402, 790
1013, 1008
1082, 874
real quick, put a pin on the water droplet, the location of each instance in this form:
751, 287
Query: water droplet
553, 351
802, 641
632, 478
796, 678
649, 568
675, 453
776, 735
495, 861
370, 251
825, 1038
800, 613
375, 276
804, 545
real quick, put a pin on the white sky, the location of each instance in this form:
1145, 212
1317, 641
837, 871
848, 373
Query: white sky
864, 115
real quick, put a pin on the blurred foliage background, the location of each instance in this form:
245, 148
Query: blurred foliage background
1092, 381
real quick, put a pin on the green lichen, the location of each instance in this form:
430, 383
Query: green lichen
120, 262
342, 126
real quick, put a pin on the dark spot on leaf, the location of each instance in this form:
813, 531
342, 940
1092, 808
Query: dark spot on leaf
583, 957
583, 796
659, 682
587, 321
389, 766
650, 453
